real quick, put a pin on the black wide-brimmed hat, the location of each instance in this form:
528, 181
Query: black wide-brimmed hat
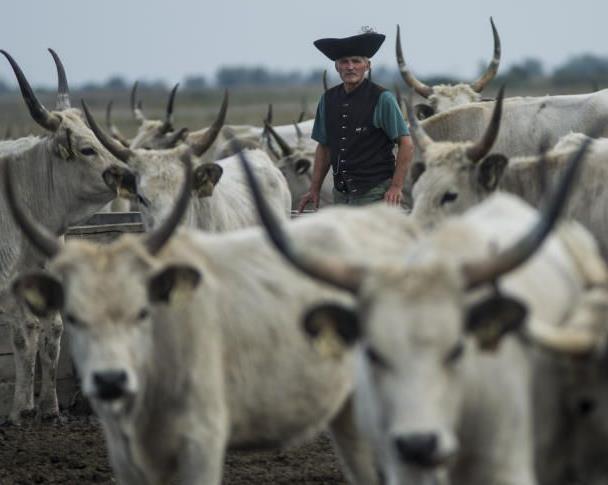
364, 45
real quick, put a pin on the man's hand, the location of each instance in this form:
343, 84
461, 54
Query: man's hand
307, 198
393, 196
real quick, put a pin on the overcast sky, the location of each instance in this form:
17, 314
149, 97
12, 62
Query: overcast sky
154, 39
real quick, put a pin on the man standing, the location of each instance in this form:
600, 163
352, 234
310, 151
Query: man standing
357, 126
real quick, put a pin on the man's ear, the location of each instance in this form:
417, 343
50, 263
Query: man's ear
332, 327
172, 281
206, 177
416, 171
493, 318
490, 171
423, 111
41, 292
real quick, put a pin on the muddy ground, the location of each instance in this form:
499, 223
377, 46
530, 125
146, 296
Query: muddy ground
74, 453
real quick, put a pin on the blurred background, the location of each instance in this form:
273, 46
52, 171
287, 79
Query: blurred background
262, 51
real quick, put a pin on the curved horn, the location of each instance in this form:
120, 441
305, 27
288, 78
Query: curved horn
421, 139
39, 236
63, 90
492, 68
283, 145
135, 105
298, 131
478, 273
267, 121
159, 237
325, 88
481, 148
316, 266
41, 115
421, 88
206, 140
168, 124
114, 147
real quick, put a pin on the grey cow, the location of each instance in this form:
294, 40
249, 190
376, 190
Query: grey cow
189, 344
444, 375
63, 177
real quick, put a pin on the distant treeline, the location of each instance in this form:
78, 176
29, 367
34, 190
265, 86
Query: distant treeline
581, 69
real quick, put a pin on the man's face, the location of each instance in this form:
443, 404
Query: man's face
352, 69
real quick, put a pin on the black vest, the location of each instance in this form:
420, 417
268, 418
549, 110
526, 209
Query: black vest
361, 154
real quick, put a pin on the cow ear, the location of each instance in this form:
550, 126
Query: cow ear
493, 318
331, 327
423, 111
416, 171
41, 292
490, 170
206, 177
172, 281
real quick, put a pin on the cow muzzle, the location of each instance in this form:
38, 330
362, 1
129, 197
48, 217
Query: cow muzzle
122, 180
421, 449
110, 385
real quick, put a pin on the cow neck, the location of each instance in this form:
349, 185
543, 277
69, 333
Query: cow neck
52, 189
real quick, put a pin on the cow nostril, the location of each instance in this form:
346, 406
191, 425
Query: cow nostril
110, 384
418, 448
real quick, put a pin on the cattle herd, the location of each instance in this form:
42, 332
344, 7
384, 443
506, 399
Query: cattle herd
462, 341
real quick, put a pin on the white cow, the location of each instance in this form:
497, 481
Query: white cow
221, 202
64, 177
199, 342
443, 97
436, 403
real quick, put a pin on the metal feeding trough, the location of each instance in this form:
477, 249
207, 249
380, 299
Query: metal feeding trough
102, 228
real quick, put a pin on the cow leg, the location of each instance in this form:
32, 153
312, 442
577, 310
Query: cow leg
49, 347
353, 449
201, 460
24, 330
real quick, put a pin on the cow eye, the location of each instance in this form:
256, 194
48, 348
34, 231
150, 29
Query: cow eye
88, 151
143, 314
455, 354
448, 197
70, 319
376, 359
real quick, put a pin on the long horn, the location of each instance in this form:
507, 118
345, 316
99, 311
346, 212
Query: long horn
421, 88
325, 88
492, 68
267, 120
298, 131
135, 105
114, 147
421, 139
478, 273
63, 90
206, 140
159, 237
283, 145
41, 115
39, 236
304, 110
114, 131
481, 148
316, 266
168, 124
399, 97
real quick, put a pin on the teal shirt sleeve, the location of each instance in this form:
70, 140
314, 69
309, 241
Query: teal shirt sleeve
319, 132
389, 117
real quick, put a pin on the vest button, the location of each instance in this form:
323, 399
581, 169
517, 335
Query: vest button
344, 127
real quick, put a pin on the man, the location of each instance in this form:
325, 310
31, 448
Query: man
357, 126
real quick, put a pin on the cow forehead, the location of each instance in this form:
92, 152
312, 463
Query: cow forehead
446, 96
418, 303
447, 154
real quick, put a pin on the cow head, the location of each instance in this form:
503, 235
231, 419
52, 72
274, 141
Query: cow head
108, 296
418, 328
159, 171
88, 166
443, 97
449, 177
156, 134
295, 163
